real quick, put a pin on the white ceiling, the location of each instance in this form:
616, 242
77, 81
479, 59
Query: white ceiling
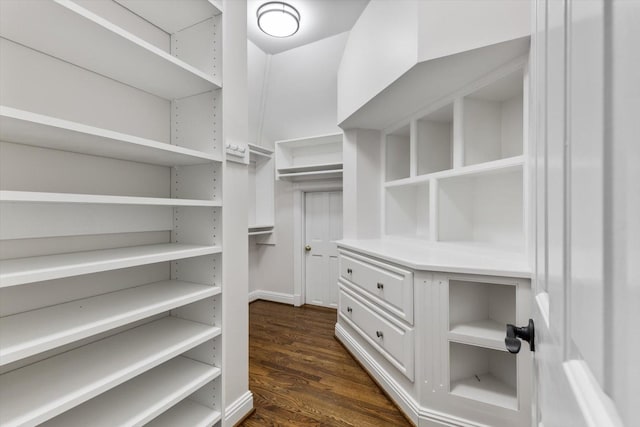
318, 19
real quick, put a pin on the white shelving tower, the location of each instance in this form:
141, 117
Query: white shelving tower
110, 206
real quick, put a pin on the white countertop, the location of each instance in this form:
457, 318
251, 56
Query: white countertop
459, 257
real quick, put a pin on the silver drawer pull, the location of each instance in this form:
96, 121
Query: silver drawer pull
379, 334
349, 309
380, 285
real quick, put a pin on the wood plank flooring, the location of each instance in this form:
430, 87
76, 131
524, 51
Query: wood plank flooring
300, 375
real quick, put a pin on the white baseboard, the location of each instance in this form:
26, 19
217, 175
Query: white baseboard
238, 409
271, 296
419, 415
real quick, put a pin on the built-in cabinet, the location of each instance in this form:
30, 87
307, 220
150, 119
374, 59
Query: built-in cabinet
448, 361
111, 203
424, 304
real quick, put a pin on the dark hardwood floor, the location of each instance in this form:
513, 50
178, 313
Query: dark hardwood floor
300, 375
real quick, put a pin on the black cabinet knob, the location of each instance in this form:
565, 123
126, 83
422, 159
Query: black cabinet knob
379, 334
514, 334
380, 285
349, 271
349, 309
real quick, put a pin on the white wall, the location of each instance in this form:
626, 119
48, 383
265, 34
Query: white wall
258, 63
469, 24
300, 100
381, 47
391, 38
302, 91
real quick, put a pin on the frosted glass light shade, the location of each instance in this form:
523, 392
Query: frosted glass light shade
278, 19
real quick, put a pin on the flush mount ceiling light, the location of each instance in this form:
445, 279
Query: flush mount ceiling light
278, 19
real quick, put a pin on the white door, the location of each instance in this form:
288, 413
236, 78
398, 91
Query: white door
586, 155
323, 226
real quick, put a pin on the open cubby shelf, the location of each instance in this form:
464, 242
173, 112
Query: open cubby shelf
455, 173
482, 374
407, 211
486, 208
435, 141
398, 154
492, 120
479, 312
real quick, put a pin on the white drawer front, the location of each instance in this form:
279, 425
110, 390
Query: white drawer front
390, 285
393, 341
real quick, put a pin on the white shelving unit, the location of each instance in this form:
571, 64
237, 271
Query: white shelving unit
261, 191
111, 212
318, 157
479, 312
434, 140
398, 154
454, 173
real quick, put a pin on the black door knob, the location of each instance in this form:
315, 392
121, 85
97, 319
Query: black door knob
514, 334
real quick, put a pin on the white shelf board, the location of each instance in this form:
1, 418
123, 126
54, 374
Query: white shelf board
260, 151
311, 140
96, 199
141, 399
488, 168
307, 176
485, 333
172, 16
187, 413
18, 271
76, 35
38, 392
24, 127
32, 332
259, 226
311, 168
494, 167
258, 233
488, 390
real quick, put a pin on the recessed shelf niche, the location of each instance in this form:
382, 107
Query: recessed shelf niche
435, 141
483, 374
407, 211
492, 119
398, 154
479, 312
